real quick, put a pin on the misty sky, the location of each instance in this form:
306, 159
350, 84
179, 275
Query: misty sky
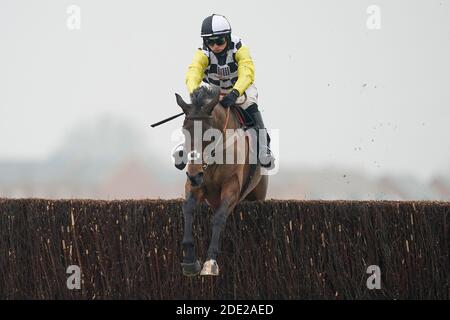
338, 92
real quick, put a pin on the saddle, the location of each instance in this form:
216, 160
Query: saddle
245, 119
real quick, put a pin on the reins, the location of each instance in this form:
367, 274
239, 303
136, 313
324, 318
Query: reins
228, 110
206, 165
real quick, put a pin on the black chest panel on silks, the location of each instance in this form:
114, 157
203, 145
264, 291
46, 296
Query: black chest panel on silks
222, 70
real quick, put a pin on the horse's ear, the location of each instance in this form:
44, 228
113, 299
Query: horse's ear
186, 107
211, 105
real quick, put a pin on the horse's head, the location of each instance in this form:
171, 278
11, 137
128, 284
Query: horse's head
203, 102
197, 121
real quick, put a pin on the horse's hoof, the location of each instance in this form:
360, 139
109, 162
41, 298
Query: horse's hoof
191, 269
210, 268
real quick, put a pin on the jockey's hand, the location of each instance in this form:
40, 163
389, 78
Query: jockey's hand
230, 99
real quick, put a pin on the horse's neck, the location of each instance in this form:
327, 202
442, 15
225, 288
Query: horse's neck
220, 117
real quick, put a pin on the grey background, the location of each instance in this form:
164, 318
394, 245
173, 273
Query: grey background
351, 104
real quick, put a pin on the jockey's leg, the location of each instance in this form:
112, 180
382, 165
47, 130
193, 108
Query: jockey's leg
250, 104
266, 159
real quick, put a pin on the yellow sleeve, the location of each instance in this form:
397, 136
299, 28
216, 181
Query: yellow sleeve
246, 70
196, 70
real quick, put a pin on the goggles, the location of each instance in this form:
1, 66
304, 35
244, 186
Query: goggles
215, 40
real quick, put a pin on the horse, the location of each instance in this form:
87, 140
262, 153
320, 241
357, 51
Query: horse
221, 185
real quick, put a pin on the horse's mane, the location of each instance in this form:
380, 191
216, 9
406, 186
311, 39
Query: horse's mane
202, 95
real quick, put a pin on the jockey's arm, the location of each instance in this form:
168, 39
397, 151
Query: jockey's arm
196, 70
246, 70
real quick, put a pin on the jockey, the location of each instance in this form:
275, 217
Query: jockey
224, 61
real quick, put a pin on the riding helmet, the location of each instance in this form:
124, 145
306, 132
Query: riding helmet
216, 25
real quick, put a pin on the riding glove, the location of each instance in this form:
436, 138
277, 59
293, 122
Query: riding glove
230, 99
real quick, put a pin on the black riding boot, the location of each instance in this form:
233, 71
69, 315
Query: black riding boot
265, 156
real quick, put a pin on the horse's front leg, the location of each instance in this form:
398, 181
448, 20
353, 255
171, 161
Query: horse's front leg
191, 266
229, 198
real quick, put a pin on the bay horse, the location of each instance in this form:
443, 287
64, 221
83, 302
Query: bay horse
221, 185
